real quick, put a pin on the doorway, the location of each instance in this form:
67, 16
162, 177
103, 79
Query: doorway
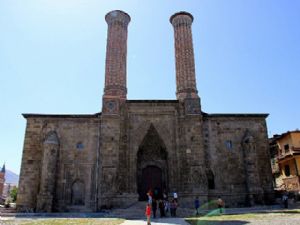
151, 180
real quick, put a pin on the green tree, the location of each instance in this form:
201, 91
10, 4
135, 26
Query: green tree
14, 193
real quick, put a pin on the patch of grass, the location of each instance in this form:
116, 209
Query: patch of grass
214, 217
218, 217
288, 211
64, 221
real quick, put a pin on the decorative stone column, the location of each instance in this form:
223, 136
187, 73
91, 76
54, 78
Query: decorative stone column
49, 163
115, 69
184, 55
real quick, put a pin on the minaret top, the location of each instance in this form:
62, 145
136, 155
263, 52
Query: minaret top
181, 17
117, 16
3, 168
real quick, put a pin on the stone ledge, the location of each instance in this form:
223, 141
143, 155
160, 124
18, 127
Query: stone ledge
30, 115
260, 115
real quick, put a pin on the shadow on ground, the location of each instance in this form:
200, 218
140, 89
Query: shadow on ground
156, 221
214, 222
287, 211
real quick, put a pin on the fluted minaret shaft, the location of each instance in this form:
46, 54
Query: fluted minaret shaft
184, 55
116, 53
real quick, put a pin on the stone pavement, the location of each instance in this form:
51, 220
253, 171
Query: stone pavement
137, 211
158, 221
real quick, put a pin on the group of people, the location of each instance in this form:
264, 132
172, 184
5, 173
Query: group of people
163, 205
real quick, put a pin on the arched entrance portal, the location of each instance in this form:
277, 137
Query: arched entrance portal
152, 165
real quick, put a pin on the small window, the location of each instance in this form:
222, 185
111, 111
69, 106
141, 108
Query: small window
228, 144
79, 146
287, 170
286, 148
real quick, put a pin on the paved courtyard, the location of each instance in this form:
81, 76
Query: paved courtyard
264, 215
273, 218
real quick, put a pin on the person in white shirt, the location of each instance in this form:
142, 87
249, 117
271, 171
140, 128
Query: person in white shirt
175, 196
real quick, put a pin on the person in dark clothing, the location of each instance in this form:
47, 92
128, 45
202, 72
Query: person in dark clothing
197, 205
161, 206
285, 200
220, 204
154, 207
173, 208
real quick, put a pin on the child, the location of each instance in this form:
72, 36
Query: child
148, 213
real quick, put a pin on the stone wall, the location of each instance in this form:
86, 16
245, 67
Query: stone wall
75, 167
178, 133
73, 163
30, 166
230, 161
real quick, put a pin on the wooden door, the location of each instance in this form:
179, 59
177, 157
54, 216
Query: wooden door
151, 179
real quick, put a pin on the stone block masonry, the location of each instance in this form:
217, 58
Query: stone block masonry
85, 163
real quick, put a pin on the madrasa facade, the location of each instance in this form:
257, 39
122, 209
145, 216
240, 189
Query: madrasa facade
84, 163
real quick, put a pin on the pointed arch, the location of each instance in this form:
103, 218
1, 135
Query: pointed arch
210, 179
51, 138
152, 146
78, 193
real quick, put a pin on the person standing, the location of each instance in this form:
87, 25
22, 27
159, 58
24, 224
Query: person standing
148, 213
167, 207
285, 200
149, 198
156, 193
161, 206
173, 208
175, 196
154, 207
220, 204
197, 205
165, 195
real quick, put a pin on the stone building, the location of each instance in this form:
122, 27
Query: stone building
112, 158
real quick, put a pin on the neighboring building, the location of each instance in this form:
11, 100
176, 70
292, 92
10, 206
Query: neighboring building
2, 179
277, 180
286, 160
111, 159
7, 189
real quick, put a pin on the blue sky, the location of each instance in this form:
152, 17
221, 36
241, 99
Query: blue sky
52, 54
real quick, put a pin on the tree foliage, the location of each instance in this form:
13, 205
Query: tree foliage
14, 193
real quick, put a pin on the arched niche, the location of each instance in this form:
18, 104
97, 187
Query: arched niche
78, 193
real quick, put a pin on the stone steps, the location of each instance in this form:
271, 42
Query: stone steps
137, 210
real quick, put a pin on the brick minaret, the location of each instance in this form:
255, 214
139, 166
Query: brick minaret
115, 70
2, 179
184, 54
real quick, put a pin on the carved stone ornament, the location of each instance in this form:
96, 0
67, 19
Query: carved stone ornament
111, 106
192, 106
